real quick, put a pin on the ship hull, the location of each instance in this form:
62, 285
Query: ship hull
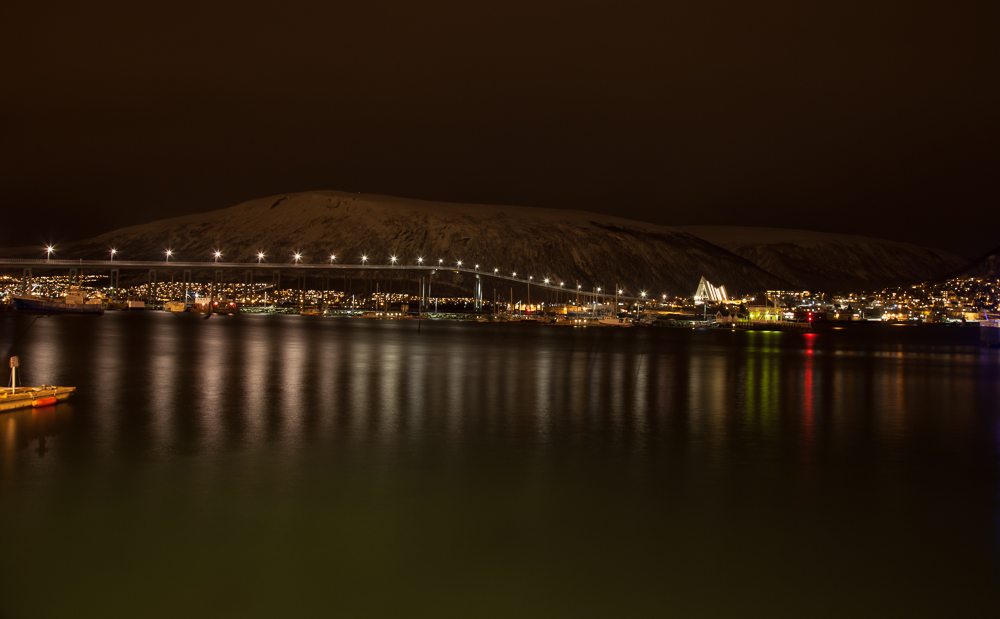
41, 306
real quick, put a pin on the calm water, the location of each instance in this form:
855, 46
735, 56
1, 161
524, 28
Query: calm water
281, 466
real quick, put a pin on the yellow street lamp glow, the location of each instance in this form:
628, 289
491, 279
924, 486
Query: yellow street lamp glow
297, 257
420, 260
364, 259
217, 254
169, 253
459, 263
392, 259
260, 256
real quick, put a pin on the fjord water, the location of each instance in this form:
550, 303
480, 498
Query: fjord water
281, 465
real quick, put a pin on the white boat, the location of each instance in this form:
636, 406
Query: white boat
613, 321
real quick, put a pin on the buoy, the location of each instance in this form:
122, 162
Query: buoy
43, 401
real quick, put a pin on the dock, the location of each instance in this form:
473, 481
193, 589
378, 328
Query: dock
22, 397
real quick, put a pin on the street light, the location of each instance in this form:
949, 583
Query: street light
364, 259
440, 261
514, 274
217, 254
420, 260
332, 258
48, 251
392, 259
642, 294
260, 256
169, 253
495, 271
113, 252
459, 263
477, 267
546, 280
297, 257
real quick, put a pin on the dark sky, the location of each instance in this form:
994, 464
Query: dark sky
880, 119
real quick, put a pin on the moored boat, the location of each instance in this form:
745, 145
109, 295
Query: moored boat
75, 302
23, 397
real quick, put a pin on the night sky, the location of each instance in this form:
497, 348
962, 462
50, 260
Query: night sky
877, 120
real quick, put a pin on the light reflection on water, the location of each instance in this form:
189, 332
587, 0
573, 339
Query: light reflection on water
782, 468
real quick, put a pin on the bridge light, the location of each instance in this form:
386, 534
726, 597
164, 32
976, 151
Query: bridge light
217, 254
495, 271
260, 256
514, 274
332, 258
392, 259
546, 280
459, 263
364, 259
440, 260
420, 260
169, 253
643, 294
113, 252
297, 257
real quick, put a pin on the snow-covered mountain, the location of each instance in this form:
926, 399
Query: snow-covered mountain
830, 262
987, 267
565, 245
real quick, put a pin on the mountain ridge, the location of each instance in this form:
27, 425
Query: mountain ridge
569, 245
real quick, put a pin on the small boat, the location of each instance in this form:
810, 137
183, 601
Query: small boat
175, 306
75, 302
135, 305
23, 397
312, 311
614, 321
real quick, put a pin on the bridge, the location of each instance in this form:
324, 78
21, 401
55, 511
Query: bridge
75, 268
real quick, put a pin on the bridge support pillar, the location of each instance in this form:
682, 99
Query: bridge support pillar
113, 279
26, 282
74, 273
151, 288
187, 280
